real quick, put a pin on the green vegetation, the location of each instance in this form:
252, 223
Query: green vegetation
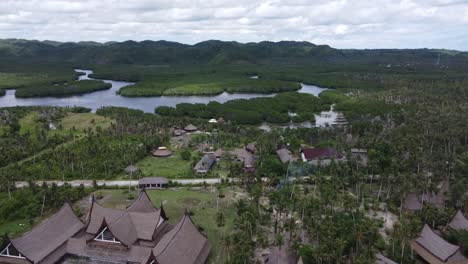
67, 89
211, 85
20, 209
254, 111
84, 121
169, 167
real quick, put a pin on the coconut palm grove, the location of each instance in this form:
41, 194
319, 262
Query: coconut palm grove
283, 152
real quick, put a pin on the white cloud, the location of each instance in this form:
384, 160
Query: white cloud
339, 23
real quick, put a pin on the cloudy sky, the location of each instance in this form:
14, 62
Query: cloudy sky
339, 23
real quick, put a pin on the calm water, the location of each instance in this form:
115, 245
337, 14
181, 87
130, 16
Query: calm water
109, 97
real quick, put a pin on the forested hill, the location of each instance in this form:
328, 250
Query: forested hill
220, 52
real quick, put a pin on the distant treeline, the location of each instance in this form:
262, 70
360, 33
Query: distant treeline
66, 89
282, 108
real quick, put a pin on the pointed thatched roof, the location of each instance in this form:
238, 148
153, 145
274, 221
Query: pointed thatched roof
48, 236
162, 152
459, 222
183, 244
190, 128
142, 204
435, 245
412, 202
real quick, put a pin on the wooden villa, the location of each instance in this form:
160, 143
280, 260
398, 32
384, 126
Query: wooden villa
459, 222
139, 234
205, 164
435, 250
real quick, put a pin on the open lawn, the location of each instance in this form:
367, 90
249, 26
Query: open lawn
169, 167
202, 203
83, 121
29, 123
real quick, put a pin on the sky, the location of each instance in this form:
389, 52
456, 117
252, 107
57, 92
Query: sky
338, 23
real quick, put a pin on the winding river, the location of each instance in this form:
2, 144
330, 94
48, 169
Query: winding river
109, 97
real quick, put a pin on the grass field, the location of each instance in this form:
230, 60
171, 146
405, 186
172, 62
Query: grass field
29, 123
202, 203
83, 121
170, 167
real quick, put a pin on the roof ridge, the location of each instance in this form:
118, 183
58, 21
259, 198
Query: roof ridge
172, 238
64, 206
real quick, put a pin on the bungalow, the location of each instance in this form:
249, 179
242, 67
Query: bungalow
319, 156
153, 183
435, 250
205, 163
459, 222
246, 157
190, 128
414, 202
285, 155
162, 152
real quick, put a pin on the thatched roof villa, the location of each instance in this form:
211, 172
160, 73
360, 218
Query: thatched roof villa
190, 128
435, 250
459, 222
162, 152
139, 234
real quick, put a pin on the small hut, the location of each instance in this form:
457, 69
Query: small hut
212, 121
459, 222
179, 132
221, 120
162, 152
190, 128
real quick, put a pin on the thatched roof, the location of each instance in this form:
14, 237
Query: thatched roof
140, 232
251, 147
190, 128
205, 163
285, 155
48, 236
131, 169
435, 245
459, 222
183, 244
162, 152
245, 156
412, 202
218, 153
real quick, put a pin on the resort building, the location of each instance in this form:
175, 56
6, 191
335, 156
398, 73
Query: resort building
139, 234
153, 183
319, 156
435, 250
205, 164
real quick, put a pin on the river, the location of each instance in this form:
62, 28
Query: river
109, 97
